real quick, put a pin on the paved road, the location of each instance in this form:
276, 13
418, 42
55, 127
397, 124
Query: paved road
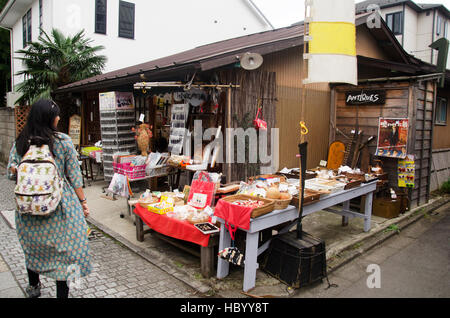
413, 264
117, 271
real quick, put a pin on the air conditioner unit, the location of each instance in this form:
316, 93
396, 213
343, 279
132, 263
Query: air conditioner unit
11, 98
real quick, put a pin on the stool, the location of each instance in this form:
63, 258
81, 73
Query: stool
86, 168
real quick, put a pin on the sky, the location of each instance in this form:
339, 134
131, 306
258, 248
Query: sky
283, 13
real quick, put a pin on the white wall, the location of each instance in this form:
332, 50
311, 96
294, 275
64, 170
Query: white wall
424, 36
441, 35
162, 27
410, 30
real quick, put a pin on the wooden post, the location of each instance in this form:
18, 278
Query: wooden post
228, 125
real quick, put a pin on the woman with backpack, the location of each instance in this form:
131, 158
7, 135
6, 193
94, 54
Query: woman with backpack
54, 238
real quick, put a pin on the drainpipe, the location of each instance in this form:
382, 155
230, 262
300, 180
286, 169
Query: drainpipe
432, 34
403, 26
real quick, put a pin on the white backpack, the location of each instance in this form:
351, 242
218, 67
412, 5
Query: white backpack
39, 186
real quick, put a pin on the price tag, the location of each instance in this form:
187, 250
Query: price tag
141, 118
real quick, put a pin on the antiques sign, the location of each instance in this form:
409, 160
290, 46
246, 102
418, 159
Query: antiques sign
364, 97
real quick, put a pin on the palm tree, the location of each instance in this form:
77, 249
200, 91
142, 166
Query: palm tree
56, 61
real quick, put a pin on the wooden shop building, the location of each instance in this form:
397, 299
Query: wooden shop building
410, 88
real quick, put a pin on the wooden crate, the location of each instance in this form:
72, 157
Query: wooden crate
266, 208
386, 208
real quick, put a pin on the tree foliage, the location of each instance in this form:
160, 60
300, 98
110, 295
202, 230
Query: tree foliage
56, 60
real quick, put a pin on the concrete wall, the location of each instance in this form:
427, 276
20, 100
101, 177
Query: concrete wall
7, 132
440, 169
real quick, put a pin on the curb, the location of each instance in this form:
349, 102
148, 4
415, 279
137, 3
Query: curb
337, 258
348, 253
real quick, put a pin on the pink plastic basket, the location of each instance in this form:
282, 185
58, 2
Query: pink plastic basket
132, 172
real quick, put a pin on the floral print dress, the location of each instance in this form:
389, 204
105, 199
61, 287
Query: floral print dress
57, 245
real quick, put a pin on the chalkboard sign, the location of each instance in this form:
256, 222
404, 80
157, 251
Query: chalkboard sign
364, 97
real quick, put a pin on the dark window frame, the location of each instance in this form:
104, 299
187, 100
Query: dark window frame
101, 26
40, 16
26, 28
395, 17
128, 33
441, 104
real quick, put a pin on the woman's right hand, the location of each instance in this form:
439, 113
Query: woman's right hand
85, 209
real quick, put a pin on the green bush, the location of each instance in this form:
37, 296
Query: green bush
446, 187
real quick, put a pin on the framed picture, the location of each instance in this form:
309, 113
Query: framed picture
392, 137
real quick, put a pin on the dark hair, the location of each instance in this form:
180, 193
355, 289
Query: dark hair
39, 128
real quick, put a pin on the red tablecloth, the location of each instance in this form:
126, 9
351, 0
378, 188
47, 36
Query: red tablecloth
182, 230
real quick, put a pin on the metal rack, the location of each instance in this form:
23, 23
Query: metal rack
117, 136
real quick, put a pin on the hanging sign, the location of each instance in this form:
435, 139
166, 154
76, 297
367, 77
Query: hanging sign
406, 172
392, 137
364, 97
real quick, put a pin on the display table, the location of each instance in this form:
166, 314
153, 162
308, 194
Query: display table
290, 214
180, 230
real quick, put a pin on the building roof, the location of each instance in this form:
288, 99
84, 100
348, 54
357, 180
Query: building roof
13, 11
206, 57
418, 7
228, 52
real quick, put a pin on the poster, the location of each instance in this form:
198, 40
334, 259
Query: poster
116, 100
406, 172
75, 129
392, 137
179, 117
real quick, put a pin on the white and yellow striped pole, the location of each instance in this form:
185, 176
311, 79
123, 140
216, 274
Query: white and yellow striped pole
331, 41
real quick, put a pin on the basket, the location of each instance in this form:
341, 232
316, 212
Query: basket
266, 208
282, 204
192, 221
310, 196
267, 176
132, 172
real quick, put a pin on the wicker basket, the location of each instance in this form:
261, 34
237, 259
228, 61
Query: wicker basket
190, 220
266, 208
268, 176
282, 204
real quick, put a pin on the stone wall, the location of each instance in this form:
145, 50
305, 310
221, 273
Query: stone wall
7, 132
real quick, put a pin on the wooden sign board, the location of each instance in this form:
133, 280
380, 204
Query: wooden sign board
365, 97
75, 129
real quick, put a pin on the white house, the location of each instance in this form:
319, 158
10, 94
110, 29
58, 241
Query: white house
415, 25
132, 31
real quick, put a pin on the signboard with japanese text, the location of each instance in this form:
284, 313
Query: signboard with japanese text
392, 137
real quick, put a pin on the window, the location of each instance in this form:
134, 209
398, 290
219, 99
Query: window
446, 29
395, 22
100, 16
26, 28
438, 26
126, 20
40, 16
441, 111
